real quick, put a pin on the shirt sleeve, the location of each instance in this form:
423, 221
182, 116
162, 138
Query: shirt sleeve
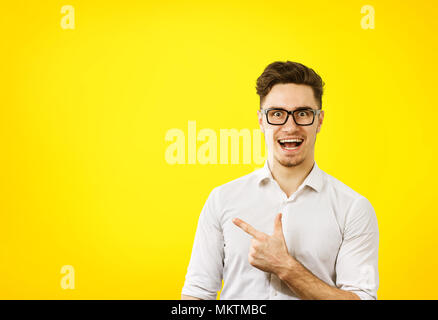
204, 273
356, 264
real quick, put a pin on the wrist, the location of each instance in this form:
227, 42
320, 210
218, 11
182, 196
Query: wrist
286, 268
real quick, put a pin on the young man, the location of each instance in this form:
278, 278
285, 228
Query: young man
288, 230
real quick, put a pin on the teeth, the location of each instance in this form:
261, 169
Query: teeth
291, 140
291, 148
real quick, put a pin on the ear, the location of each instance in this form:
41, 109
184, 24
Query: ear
260, 116
320, 120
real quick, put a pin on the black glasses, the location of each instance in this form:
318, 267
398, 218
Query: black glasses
302, 117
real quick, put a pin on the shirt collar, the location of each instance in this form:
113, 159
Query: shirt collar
314, 179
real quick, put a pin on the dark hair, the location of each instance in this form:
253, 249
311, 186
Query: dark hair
289, 72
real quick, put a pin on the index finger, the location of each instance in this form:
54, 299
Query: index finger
247, 228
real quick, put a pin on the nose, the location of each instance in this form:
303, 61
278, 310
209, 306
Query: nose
289, 125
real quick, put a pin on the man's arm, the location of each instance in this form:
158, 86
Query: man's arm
205, 270
357, 260
270, 254
307, 286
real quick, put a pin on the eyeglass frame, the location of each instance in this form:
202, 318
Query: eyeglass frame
315, 112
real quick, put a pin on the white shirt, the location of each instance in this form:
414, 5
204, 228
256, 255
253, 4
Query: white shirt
328, 227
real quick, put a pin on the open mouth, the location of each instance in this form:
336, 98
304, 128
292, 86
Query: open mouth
290, 144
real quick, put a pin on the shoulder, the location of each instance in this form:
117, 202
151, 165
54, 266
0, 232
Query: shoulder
237, 186
231, 193
339, 187
357, 209
342, 193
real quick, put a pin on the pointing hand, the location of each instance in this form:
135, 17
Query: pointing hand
267, 253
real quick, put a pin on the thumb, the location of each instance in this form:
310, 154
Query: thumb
278, 225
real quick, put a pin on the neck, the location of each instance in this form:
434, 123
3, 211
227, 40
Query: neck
290, 178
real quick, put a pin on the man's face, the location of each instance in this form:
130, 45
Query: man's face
290, 97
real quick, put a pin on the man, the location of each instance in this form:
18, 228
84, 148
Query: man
288, 230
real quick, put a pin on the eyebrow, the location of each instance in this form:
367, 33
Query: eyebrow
297, 108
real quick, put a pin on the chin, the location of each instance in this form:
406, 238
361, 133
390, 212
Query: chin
290, 162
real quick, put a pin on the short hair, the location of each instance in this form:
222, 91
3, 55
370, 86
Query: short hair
289, 72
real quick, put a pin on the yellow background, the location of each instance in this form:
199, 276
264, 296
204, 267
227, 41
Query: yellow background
84, 114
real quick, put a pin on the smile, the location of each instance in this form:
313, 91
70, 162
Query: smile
290, 144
